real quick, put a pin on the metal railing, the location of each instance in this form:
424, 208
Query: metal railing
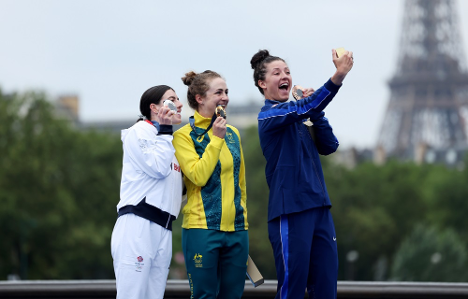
91, 289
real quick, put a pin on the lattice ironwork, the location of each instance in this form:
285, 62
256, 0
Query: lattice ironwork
428, 106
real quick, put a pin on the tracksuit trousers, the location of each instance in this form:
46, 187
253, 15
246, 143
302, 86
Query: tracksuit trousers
306, 256
216, 262
142, 253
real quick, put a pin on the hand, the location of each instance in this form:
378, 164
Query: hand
164, 116
307, 92
343, 65
219, 127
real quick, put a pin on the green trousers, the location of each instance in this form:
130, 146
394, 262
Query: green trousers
216, 262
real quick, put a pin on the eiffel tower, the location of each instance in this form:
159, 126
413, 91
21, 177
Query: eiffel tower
427, 116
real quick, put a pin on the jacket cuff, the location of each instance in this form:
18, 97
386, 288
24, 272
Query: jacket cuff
165, 130
318, 117
217, 142
332, 87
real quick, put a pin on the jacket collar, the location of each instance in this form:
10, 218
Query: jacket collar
201, 121
269, 104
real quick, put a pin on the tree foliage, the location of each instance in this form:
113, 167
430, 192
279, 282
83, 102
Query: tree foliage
377, 207
58, 189
59, 186
257, 203
429, 255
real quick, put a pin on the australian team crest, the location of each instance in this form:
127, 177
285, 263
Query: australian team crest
198, 260
230, 138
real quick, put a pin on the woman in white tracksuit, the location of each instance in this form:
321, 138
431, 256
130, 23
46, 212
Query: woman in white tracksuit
150, 199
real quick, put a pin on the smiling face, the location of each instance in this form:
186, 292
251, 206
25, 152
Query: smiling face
217, 94
171, 96
277, 83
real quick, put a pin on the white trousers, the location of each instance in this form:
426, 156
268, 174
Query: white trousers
142, 252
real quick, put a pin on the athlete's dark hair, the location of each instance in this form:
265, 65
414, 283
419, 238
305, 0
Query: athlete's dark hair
198, 84
151, 96
259, 63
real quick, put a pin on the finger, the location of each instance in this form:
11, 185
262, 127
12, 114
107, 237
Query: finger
220, 120
169, 113
163, 111
160, 113
350, 55
334, 53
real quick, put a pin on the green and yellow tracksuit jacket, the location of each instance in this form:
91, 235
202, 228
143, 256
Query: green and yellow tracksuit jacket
214, 176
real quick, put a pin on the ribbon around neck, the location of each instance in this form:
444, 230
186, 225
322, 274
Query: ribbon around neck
192, 124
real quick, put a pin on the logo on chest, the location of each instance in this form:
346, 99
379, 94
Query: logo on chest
229, 137
176, 167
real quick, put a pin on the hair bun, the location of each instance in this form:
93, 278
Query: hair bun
259, 57
189, 77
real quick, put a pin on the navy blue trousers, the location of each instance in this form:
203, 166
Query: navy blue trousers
306, 255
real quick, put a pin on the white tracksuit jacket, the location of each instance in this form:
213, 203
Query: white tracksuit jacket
150, 169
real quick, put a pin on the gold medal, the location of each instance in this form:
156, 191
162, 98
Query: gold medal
220, 112
340, 52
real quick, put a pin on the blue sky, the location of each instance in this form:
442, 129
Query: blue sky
110, 52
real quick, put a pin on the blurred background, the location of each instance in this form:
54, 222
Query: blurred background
72, 73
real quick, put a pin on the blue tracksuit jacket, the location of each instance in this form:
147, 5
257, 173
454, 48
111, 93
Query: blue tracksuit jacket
293, 171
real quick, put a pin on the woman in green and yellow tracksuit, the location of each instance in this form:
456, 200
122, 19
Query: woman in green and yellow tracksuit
214, 236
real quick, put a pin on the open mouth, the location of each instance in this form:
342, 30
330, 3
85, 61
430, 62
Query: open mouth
284, 86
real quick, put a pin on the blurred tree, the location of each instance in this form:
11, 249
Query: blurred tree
448, 200
373, 208
58, 189
257, 203
430, 255
177, 270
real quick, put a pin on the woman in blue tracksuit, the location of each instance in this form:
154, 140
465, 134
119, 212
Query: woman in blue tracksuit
300, 225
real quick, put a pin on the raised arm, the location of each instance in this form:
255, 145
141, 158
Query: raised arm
325, 141
282, 114
197, 169
152, 155
343, 65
